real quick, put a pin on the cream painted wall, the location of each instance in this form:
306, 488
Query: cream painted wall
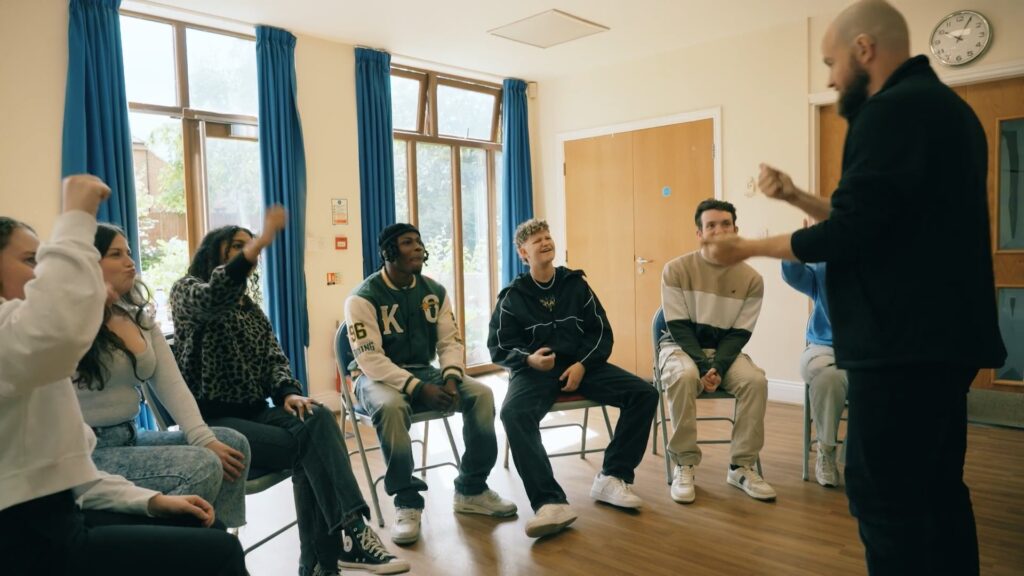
1005, 16
325, 73
760, 83
33, 65
31, 117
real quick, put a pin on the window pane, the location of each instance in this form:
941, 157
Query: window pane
1011, 185
221, 73
1011, 325
405, 103
476, 259
434, 201
157, 157
148, 49
401, 151
233, 183
464, 113
233, 194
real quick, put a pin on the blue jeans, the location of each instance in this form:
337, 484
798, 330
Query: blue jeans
392, 416
165, 462
325, 491
530, 396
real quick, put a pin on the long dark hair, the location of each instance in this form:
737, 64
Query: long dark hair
7, 228
208, 257
92, 368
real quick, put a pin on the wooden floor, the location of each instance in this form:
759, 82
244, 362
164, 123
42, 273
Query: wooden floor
807, 531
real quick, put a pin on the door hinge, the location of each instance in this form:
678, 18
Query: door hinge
563, 168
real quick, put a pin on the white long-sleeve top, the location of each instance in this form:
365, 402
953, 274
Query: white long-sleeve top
46, 447
118, 401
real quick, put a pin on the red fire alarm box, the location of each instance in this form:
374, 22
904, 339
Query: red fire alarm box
341, 242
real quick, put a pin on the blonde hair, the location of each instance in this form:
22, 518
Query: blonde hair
529, 228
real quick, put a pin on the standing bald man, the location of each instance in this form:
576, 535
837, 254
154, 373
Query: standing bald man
910, 287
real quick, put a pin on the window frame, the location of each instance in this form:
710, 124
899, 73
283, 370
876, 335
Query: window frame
427, 132
196, 124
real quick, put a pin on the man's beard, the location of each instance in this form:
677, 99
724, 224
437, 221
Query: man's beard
851, 99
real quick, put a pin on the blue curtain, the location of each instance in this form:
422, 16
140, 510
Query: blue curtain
517, 176
283, 178
376, 160
96, 135
97, 139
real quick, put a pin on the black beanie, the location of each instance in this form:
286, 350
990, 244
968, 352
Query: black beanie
394, 231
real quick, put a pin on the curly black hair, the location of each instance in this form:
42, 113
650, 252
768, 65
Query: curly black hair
210, 255
92, 368
389, 251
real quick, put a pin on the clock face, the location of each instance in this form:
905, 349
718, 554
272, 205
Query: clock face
961, 37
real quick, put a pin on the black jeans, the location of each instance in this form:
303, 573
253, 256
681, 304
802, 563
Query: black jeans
530, 396
906, 440
325, 491
50, 536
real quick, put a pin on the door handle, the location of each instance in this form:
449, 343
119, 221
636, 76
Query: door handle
641, 260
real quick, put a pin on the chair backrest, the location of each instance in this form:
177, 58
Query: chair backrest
658, 329
343, 356
163, 418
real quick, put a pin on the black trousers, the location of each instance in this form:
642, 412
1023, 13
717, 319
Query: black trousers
906, 440
50, 536
530, 396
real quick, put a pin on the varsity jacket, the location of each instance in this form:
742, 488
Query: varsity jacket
710, 306
392, 329
565, 316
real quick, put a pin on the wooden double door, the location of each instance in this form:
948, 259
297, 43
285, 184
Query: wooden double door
629, 204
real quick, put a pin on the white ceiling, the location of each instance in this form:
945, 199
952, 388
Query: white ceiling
454, 32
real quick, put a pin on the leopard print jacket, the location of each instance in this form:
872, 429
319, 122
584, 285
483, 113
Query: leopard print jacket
224, 344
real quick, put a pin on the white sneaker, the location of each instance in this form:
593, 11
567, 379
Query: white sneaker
825, 470
487, 503
682, 485
407, 526
614, 491
550, 519
748, 480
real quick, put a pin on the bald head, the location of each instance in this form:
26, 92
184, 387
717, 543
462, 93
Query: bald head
878, 21
862, 47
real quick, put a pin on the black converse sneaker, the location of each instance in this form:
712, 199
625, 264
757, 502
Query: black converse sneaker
319, 570
363, 550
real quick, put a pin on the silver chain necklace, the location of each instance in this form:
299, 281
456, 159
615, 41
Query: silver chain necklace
542, 287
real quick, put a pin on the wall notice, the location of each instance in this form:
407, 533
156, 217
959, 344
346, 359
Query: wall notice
339, 211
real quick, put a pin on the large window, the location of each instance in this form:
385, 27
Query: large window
447, 165
192, 99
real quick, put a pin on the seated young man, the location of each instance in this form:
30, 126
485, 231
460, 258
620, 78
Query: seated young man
826, 383
711, 310
550, 330
398, 321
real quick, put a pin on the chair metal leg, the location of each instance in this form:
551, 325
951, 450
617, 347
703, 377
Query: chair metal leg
366, 467
506, 453
807, 428
664, 437
423, 451
269, 538
451, 440
607, 422
583, 435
